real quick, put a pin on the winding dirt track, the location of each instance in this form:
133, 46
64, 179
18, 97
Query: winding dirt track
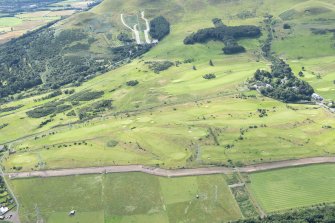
172, 173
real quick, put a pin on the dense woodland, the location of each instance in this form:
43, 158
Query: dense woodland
61, 59
323, 214
24, 60
227, 34
159, 28
280, 83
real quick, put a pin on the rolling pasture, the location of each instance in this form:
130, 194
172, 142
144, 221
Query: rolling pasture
177, 118
291, 188
132, 197
180, 136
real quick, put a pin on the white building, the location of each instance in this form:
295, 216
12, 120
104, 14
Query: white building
3, 210
317, 97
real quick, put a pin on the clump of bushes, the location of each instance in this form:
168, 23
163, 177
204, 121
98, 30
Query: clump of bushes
48, 109
86, 96
158, 66
209, 76
45, 123
262, 112
52, 95
67, 91
63, 108
3, 125
13, 108
42, 111
71, 113
112, 143
286, 26
159, 28
124, 37
129, 51
94, 109
132, 83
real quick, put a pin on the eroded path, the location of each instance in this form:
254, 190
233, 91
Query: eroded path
134, 30
172, 173
147, 30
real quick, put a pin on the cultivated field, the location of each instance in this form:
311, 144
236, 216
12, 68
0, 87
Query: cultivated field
132, 197
284, 189
16, 25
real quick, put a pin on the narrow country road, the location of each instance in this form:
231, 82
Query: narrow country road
171, 173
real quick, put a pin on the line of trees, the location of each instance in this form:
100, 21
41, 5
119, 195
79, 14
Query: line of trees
61, 58
320, 214
280, 83
226, 34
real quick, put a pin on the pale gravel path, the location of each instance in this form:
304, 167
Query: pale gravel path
137, 35
172, 173
134, 30
147, 30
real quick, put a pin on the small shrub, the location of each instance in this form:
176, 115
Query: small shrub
286, 26
112, 143
3, 125
158, 66
71, 113
86, 96
132, 83
209, 76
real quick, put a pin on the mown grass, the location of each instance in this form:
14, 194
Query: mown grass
133, 197
169, 135
284, 189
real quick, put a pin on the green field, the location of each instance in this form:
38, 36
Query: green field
284, 189
176, 118
133, 197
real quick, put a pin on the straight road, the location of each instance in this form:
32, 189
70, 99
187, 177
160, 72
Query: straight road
172, 173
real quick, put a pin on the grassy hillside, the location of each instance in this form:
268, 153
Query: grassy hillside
177, 118
112, 199
140, 113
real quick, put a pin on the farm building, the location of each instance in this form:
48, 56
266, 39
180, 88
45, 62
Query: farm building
3, 210
317, 97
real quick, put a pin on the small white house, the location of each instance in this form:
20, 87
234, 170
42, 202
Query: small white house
317, 97
3, 210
